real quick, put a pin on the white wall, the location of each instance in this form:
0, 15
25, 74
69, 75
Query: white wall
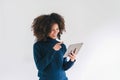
96, 23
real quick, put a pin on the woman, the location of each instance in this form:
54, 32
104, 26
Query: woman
48, 52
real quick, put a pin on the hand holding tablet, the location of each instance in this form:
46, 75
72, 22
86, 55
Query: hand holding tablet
73, 48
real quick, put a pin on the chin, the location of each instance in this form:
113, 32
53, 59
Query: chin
53, 37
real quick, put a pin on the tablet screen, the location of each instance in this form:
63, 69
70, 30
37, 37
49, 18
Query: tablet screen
73, 48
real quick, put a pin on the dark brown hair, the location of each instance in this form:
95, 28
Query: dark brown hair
42, 25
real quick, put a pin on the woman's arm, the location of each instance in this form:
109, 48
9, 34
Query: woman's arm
42, 62
67, 64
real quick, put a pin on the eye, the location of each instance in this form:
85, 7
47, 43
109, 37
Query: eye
57, 29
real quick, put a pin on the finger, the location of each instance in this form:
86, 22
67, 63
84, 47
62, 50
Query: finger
74, 50
73, 53
60, 47
70, 55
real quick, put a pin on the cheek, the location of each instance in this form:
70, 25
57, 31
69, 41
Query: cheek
51, 33
58, 31
54, 32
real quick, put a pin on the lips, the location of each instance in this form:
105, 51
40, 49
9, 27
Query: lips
54, 35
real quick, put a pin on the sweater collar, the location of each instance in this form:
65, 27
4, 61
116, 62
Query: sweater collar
51, 40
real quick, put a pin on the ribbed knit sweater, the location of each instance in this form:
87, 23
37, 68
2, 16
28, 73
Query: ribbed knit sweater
51, 64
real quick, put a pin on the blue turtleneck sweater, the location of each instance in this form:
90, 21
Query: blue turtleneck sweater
50, 63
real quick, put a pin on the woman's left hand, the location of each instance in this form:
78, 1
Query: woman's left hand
72, 56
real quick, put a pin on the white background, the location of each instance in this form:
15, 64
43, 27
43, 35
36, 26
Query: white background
96, 23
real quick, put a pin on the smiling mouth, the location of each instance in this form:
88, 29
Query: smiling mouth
54, 35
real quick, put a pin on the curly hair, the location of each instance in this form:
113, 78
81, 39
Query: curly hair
42, 25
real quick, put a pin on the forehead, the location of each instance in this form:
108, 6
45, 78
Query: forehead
54, 26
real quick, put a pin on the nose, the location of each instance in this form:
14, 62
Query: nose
55, 31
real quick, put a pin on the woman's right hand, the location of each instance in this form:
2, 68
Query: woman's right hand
57, 46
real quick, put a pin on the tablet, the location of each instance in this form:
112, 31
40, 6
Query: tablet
73, 48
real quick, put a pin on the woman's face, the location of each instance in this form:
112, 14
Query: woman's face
54, 31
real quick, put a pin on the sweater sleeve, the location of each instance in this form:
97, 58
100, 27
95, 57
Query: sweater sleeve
66, 64
42, 62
